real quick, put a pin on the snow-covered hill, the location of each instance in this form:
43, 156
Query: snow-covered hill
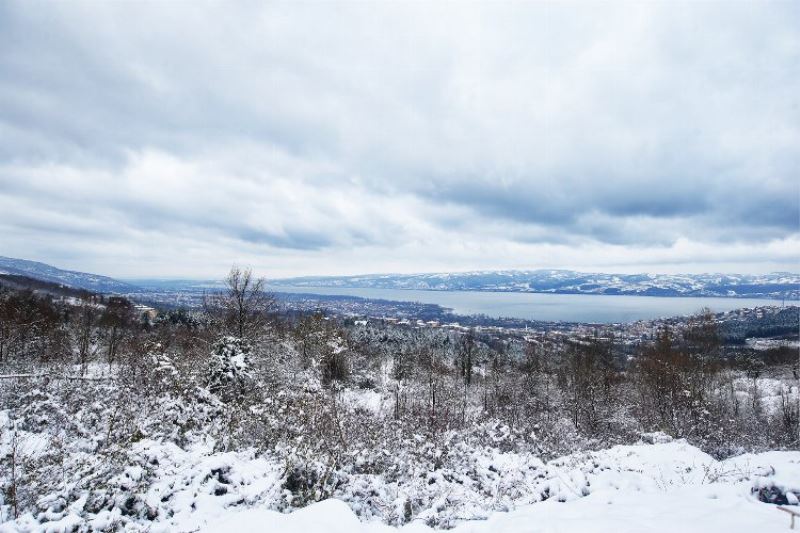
775, 285
68, 278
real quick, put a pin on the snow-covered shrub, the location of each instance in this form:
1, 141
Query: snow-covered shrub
162, 363
229, 365
333, 361
777, 487
308, 479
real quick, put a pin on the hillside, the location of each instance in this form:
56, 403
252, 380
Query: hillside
112, 419
15, 283
776, 285
69, 278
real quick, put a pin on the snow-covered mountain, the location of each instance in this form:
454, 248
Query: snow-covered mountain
774, 285
69, 278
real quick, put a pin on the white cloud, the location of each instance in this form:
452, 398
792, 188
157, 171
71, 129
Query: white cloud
143, 139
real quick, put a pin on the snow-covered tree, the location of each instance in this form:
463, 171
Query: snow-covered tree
229, 365
244, 308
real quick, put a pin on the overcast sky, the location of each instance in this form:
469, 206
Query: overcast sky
174, 139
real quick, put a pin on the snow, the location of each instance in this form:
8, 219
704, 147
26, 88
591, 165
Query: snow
659, 484
706, 509
666, 487
767, 344
332, 516
369, 400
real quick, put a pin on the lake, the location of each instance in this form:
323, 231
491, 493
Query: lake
547, 307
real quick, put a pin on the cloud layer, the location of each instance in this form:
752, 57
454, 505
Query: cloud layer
143, 139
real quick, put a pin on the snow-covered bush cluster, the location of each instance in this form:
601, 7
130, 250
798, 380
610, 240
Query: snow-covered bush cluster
185, 418
229, 365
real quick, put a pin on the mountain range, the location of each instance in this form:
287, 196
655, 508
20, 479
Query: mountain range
778, 285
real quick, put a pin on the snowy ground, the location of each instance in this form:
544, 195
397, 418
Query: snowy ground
684, 510
72, 476
669, 486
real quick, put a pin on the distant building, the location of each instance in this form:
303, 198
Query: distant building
151, 312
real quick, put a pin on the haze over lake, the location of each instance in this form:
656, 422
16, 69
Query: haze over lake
548, 307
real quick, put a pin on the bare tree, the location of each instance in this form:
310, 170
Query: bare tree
466, 351
84, 326
115, 319
465, 357
591, 379
244, 307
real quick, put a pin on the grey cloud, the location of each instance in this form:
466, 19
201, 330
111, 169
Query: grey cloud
292, 239
394, 127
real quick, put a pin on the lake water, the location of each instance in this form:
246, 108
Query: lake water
548, 307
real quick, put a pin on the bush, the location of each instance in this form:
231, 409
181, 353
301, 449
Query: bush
229, 365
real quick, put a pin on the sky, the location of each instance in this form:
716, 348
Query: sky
312, 138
